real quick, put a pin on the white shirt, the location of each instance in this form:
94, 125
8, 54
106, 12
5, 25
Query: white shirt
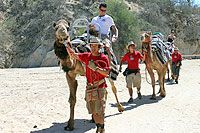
105, 22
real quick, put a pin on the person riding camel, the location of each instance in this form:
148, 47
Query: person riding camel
171, 37
104, 25
176, 64
132, 72
97, 69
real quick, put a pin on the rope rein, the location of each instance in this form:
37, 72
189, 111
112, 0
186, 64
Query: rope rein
146, 77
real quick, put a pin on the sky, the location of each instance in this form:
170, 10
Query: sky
197, 2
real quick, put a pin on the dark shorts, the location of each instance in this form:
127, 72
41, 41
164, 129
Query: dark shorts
175, 69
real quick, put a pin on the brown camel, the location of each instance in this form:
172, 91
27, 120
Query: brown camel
72, 67
153, 63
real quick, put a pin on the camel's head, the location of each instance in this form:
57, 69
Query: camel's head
61, 30
146, 37
146, 41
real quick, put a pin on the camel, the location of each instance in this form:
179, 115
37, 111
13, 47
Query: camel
153, 63
72, 67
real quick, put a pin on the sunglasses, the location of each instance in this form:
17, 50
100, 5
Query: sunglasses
102, 10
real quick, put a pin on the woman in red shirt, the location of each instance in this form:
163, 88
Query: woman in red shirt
132, 72
176, 64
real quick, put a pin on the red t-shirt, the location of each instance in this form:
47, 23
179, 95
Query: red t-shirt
101, 61
176, 57
132, 59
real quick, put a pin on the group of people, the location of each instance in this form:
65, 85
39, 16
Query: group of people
175, 56
98, 68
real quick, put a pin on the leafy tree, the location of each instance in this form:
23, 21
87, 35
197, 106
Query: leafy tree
126, 22
6, 53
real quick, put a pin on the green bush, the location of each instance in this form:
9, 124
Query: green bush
126, 22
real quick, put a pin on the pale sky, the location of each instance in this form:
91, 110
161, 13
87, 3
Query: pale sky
197, 2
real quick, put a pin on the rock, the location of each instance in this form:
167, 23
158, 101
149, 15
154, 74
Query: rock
50, 60
36, 58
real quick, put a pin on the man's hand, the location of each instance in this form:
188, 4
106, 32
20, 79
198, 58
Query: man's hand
114, 39
92, 66
178, 64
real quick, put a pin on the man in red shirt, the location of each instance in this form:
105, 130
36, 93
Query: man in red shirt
97, 69
132, 72
176, 64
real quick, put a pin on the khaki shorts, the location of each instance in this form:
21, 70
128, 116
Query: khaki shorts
133, 80
96, 100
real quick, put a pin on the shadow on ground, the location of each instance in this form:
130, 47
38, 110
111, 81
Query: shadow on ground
81, 126
139, 102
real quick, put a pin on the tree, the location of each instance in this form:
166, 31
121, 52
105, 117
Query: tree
6, 53
126, 22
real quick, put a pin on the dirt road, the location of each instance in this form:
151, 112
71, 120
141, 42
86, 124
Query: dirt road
36, 100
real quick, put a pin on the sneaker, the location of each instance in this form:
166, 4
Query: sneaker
176, 81
139, 95
130, 100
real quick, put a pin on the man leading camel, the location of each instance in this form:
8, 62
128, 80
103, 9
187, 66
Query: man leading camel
132, 73
97, 69
176, 63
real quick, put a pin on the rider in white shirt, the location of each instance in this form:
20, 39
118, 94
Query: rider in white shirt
106, 23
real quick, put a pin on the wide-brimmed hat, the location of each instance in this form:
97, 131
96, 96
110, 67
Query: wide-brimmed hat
176, 48
129, 44
95, 40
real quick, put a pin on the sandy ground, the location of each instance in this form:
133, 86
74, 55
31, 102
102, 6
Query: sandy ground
36, 100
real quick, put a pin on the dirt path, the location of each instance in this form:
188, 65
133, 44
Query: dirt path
36, 100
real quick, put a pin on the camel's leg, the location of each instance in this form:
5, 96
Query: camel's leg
120, 107
153, 97
161, 76
164, 92
72, 82
170, 64
162, 79
168, 78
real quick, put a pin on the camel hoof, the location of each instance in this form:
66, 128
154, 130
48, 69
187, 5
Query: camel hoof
153, 97
139, 95
120, 108
67, 128
162, 95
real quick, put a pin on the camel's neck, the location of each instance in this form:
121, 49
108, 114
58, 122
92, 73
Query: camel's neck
149, 56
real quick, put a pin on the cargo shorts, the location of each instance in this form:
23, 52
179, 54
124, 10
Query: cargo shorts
96, 100
133, 80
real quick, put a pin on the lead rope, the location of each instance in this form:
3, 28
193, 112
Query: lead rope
146, 76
